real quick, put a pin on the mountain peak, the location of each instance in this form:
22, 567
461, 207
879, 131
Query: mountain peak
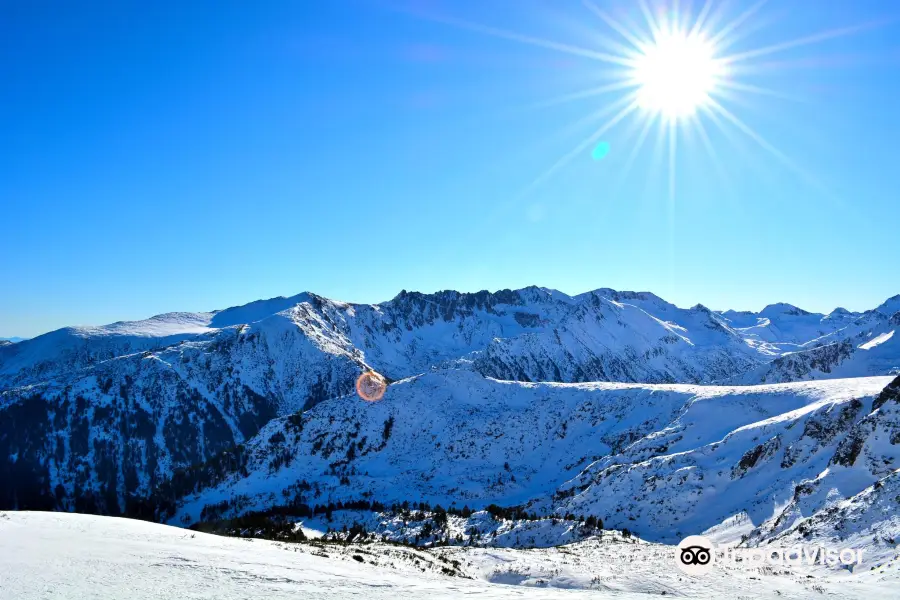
890, 306
782, 308
839, 313
257, 310
625, 296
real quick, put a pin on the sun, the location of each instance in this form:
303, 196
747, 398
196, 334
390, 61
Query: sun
676, 74
679, 69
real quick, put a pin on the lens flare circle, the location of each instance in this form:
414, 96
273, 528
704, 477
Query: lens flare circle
600, 151
676, 74
371, 386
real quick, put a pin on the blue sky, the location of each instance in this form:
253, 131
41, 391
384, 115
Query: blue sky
192, 156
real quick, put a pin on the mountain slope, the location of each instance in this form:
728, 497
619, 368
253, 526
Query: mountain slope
97, 441
70, 349
869, 520
740, 455
864, 348
867, 456
447, 436
608, 340
67, 350
786, 325
669, 459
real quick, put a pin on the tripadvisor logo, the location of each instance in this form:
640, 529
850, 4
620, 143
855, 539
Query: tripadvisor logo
697, 555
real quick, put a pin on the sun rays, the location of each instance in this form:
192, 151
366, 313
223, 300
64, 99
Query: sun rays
674, 72
671, 71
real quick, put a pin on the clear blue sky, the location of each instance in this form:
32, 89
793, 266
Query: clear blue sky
161, 156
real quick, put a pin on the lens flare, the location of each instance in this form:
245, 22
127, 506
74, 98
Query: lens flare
600, 151
371, 386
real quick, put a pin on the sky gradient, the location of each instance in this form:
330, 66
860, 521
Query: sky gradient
192, 156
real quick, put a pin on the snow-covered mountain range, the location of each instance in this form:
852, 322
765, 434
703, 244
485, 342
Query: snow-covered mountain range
641, 415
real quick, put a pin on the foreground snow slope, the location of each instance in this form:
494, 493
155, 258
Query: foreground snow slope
66, 556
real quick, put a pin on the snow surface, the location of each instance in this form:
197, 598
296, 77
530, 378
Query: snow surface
69, 556
878, 340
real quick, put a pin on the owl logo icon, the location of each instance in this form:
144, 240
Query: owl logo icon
695, 555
